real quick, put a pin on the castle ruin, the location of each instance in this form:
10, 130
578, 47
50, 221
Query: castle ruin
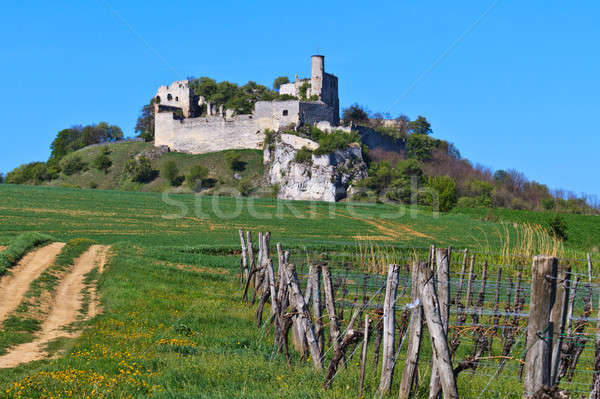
178, 125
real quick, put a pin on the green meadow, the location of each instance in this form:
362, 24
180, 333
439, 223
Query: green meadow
173, 323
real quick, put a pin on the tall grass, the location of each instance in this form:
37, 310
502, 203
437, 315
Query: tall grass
19, 246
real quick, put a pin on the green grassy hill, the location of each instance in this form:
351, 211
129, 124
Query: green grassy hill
120, 153
174, 325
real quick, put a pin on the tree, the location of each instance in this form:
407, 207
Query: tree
421, 146
140, 171
170, 172
445, 188
144, 126
420, 126
557, 226
354, 113
73, 165
197, 173
76, 137
102, 161
1, 178
281, 80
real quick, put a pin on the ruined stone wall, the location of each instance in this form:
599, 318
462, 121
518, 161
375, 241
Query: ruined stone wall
313, 112
207, 134
329, 95
178, 94
276, 114
375, 140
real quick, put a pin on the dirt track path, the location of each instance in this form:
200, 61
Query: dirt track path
64, 311
14, 285
2, 248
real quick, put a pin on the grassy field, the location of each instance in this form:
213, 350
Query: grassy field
173, 324
119, 153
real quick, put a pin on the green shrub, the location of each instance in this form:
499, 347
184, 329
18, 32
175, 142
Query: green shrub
303, 155
245, 187
93, 184
102, 162
35, 172
19, 246
445, 187
233, 161
336, 140
548, 203
73, 165
197, 173
140, 171
170, 171
557, 226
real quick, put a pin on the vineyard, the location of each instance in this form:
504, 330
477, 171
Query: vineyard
173, 320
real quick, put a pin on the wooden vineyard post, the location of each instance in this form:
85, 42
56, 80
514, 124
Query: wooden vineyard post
244, 271
363, 357
388, 360
595, 391
540, 329
496, 318
317, 306
559, 317
443, 294
415, 330
440, 349
461, 315
304, 317
334, 327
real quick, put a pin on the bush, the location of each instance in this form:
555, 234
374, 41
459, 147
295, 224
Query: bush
557, 227
19, 247
140, 171
1, 178
198, 172
245, 187
170, 171
93, 185
303, 155
73, 165
354, 113
232, 159
445, 187
35, 172
102, 162
548, 204
337, 140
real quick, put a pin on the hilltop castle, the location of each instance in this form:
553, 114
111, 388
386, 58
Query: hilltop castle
179, 126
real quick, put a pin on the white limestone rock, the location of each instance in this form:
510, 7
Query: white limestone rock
324, 178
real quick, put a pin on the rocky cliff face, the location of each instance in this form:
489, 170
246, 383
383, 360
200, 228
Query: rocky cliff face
318, 177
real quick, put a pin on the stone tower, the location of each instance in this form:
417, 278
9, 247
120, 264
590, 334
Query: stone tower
316, 78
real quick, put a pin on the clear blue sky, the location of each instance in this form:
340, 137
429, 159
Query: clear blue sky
519, 90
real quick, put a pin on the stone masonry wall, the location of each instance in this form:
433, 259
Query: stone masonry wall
207, 134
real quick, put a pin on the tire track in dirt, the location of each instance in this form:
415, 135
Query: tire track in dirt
15, 284
64, 312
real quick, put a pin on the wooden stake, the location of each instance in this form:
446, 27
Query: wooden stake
595, 391
363, 357
559, 317
441, 352
540, 328
334, 327
443, 293
317, 307
304, 317
415, 330
389, 329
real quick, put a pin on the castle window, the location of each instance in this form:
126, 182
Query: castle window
169, 97
285, 112
176, 98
